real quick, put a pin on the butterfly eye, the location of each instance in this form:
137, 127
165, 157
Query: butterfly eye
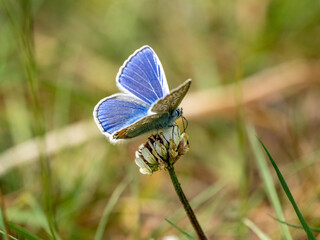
179, 112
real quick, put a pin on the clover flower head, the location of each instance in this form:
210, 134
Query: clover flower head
161, 149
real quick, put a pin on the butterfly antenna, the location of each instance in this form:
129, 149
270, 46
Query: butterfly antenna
173, 126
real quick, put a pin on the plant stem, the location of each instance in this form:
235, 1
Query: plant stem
185, 203
25, 40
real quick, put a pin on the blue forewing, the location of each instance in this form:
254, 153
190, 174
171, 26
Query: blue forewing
142, 75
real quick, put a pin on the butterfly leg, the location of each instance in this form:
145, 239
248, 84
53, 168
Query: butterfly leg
173, 126
184, 123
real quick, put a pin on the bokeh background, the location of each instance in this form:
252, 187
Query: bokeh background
255, 69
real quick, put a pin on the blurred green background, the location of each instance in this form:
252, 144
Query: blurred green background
59, 58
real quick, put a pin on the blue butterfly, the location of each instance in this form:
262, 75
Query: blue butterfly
145, 104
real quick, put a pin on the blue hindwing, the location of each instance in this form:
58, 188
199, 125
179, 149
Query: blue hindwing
119, 111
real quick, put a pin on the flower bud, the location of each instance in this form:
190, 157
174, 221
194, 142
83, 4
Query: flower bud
144, 168
184, 144
147, 155
161, 149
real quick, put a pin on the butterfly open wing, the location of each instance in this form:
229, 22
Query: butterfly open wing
117, 112
161, 114
171, 101
146, 103
142, 75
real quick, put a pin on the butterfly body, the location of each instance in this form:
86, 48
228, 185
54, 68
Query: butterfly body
164, 120
145, 104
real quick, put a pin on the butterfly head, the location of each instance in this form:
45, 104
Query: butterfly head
175, 114
179, 112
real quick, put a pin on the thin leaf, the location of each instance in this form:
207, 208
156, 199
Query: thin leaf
289, 195
255, 229
294, 225
197, 201
109, 207
12, 237
2, 221
267, 179
179, 229
22, 232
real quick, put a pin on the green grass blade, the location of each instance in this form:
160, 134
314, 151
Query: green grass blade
108, 209
289, 195
255, 229
295, 226
3, 226
267, 179
179, 229
11, 237
196, 202
22, 232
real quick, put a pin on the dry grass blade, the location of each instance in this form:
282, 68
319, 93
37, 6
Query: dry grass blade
73, 135
284, 80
